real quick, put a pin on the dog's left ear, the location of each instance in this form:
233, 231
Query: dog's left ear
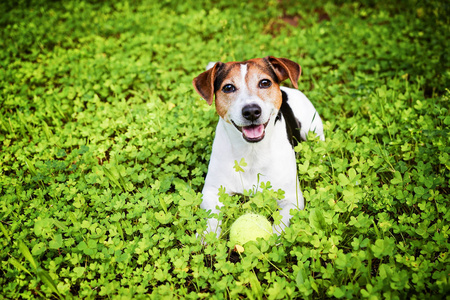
204, 83
285, 68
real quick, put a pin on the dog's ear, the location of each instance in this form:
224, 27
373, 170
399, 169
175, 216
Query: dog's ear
204, 83
285, 68
210, 65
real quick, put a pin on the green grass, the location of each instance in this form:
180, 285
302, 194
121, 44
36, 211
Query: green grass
104, 147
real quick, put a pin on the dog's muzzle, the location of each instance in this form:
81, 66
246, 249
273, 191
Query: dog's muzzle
252, 133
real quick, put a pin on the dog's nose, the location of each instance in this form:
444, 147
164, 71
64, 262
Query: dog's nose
251, 112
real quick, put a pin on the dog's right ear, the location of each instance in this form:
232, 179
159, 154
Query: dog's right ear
285, 68
204, 83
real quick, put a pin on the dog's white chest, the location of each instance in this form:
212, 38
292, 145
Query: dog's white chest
272, 159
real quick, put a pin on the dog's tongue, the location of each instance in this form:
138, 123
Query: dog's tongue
253, 131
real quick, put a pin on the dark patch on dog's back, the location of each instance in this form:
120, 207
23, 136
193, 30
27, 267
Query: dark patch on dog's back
293, 125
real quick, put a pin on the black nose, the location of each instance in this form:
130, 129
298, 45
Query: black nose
251, 112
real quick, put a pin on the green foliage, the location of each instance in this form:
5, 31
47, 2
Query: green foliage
104, 146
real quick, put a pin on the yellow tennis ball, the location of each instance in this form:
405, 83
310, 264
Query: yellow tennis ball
249, 227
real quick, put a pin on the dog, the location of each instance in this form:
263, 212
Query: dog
261, 122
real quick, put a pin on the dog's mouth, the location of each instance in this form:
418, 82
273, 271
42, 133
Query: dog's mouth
252, 133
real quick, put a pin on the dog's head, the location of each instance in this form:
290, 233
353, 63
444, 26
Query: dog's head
247, 93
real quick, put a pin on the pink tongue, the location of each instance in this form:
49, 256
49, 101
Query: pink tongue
253, 131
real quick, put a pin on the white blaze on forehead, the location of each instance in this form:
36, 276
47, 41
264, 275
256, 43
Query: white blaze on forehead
243, 84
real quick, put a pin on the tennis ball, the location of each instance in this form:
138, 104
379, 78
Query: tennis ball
249, 227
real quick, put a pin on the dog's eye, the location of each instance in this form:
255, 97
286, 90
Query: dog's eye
229, 88
265, 83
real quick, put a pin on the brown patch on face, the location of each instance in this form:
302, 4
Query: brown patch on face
275, 70
257, 69
230, 75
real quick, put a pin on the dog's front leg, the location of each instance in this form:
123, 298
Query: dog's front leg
211, 203
294, 201
285, 209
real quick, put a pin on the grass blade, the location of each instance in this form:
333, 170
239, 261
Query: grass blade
5, 232
26, 253
48, 281
18, 265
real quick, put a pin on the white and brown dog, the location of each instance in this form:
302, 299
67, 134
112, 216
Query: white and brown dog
260, 122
